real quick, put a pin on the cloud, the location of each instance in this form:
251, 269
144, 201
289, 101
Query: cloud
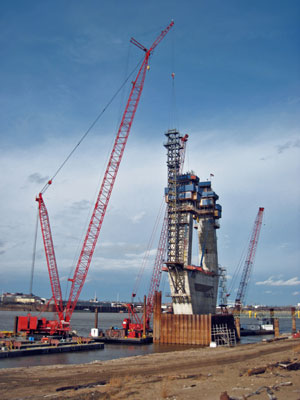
271, 282
144, 254
81, 205
287, 145
136, 198
137, 217
83, 49
37, 178
2, 247
6, 246
283, 245
113, 244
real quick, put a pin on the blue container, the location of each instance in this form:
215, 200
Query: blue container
187, 188
204, 184
184, 178
210, 194
206, 202
190, 188
188, 178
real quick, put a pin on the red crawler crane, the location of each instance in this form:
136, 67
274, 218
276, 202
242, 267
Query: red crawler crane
32, 324
134, 323
249, 260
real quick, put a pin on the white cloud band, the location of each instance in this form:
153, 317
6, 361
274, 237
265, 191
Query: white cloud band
271, 282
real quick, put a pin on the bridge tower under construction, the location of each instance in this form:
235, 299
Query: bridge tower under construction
192, 204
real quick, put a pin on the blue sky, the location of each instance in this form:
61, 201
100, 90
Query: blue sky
237, 96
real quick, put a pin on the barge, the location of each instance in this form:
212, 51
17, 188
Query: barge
14, 347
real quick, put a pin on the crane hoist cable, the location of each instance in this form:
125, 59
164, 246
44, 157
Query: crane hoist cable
160, 252
173, 111
162, 210
238, 268
34, 252
45, 187
173, 118
147, 252
90, 128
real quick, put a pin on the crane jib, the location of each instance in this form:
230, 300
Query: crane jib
101, 204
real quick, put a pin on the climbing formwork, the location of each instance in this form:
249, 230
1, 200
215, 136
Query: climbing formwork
191, 204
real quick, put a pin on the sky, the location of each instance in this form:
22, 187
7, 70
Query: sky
235, 93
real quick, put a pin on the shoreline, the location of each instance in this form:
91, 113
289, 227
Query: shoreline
181, 374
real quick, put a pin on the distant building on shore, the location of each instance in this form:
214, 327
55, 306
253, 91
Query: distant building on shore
21, 298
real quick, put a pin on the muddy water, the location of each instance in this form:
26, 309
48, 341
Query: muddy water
82, 322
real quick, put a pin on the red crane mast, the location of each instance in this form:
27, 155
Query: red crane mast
249, 260
101, 204
109, 178
50, 256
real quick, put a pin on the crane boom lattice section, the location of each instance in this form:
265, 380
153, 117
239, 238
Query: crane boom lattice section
108, 182
249, 259
157, 268
50, 256
173, 162
105, 191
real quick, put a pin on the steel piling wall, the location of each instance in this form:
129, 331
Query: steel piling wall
293, 315
180, 329
183, 329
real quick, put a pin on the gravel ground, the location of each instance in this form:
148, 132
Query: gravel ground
190, 374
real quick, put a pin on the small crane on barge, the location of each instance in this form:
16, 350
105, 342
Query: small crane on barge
61, 326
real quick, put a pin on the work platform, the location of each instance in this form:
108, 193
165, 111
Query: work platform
146, 340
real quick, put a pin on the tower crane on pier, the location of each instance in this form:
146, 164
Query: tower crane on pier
134, 323
62, 325
162, 247
249, 260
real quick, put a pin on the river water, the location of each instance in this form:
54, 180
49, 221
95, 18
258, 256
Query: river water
82, 322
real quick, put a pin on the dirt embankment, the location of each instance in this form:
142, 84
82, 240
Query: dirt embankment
189, 374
